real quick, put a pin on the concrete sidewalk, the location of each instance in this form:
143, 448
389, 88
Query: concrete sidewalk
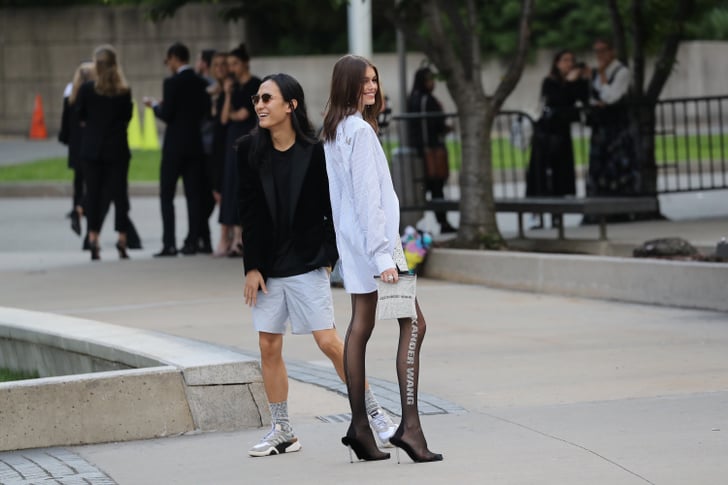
15, 150
553, 390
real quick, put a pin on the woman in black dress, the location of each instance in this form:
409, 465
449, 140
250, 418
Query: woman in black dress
105, 108
551, 168
238, 114
219, 71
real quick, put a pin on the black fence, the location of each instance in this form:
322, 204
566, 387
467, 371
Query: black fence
691, 149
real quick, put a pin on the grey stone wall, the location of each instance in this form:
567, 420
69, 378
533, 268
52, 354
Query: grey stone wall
40, 49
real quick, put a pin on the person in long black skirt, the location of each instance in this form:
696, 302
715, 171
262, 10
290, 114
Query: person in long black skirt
551, 168
238, 115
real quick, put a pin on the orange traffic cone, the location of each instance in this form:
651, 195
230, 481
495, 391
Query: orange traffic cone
38, 129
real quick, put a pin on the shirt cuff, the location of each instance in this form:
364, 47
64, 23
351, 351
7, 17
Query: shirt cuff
384, 262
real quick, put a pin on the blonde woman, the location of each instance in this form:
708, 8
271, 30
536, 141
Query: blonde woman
105, 108
70, 135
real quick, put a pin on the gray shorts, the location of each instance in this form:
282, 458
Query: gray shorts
304, 300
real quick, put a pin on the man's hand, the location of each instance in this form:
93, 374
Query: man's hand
253, 281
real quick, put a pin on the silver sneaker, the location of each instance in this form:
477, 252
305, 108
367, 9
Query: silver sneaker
276, 442
383, 426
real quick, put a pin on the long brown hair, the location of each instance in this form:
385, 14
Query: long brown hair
346, 91
109, 77
84, 73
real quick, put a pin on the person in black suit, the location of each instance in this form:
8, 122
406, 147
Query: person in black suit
104, 109
290, 246
184, 105
70, 135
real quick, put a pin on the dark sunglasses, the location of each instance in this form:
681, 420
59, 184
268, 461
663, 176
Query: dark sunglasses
265, 97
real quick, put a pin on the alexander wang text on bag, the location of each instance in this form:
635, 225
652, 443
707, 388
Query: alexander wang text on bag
397, 300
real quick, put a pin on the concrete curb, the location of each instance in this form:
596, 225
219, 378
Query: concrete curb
127, 383
655, 282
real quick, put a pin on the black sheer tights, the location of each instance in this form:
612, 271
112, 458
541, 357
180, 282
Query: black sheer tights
359, 436
409, 435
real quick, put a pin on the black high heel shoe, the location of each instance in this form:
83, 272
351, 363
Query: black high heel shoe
361, 451
427, 457
76, 222
94, 248
122, 251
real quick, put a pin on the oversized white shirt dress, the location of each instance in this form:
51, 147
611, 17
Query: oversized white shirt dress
364, 204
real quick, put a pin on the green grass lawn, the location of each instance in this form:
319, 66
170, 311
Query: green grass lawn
668, 149
144, 167
145, 163
8, 375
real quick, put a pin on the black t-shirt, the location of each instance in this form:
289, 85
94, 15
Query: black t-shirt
286, 261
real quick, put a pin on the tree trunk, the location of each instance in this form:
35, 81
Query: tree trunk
478, 227
620, 39
643, 115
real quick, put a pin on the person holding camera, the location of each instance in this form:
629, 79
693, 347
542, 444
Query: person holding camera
612, 160
551, 168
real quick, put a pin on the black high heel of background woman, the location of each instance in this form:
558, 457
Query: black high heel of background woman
362, 451
95, 250
122, 251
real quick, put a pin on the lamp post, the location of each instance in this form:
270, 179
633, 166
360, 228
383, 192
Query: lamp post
360, 27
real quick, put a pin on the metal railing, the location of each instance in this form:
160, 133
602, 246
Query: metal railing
691, 148
691, 143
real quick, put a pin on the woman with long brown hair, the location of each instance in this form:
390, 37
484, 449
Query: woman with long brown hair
365, 209
105, 108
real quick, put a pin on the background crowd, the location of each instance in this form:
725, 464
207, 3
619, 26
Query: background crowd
207, 107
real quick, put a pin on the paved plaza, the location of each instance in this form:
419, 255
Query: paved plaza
519, 388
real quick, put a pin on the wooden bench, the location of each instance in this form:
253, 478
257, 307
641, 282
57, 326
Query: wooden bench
600, 207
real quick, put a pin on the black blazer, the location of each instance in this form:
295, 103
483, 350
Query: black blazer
71, 134
105, 119
185, 103
312, 228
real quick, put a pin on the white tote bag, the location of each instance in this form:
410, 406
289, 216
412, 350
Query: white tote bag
397, 300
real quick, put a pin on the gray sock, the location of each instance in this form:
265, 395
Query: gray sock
279, 415
371, 402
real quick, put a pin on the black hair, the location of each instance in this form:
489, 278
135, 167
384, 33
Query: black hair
603, 40
206, 55
290, 89
241, 52
555, 73
180, 51
421, 76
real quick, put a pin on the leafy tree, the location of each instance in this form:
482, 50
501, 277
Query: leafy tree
640, 27
451, 34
